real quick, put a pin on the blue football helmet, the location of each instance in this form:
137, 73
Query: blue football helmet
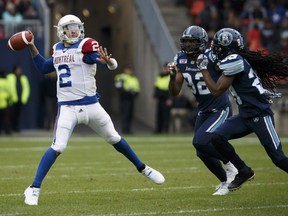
194, 33
225, 42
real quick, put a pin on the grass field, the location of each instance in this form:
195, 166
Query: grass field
91, 179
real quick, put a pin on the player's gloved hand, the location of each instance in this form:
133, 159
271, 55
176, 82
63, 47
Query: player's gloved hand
202, 62
269, 96
172, 70
272, 95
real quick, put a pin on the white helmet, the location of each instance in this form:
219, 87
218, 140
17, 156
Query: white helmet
69, 22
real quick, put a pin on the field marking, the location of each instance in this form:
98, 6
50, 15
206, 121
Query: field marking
13, 214
169, 143
135, 139
209, 210
141, 189
179, 212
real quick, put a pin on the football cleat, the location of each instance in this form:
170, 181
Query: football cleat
222, 189
240, 179
31, 195
231, 171
153, 175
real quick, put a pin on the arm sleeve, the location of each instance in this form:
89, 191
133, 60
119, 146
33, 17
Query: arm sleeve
43, 65
232, 66
90, 58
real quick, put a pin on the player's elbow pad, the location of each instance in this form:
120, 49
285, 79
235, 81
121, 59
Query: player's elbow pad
114, 65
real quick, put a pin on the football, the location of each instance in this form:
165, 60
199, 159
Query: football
20, 40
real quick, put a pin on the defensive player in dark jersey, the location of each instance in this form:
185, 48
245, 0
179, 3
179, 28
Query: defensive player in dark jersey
248, 74
212, 110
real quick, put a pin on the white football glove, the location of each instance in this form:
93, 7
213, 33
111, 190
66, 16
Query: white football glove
172, 69
202, 62
269, 96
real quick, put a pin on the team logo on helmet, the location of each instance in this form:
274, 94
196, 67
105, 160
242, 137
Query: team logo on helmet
225, 38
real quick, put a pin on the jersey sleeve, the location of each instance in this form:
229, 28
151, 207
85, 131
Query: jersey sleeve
90, 45
232, 65
43, 65
90, 50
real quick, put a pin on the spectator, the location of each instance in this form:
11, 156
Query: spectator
254, 39
128, 86
284, 36
30, 13
270, 36
248, 17
23, 6
4, 99
276, 12
197, 6
210, 13
11, 15
255, 13
20, 92
163, 100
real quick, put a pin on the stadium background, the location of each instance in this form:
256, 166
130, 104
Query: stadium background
144, 33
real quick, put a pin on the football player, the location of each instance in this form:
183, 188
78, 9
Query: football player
213, 111
246, 73
75, 60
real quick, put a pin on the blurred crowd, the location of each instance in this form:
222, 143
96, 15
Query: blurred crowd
263, 23
14, 11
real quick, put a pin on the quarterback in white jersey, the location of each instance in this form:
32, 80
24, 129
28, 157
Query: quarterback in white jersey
75, 60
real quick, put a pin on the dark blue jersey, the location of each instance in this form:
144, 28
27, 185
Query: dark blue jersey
246, 88
195, 81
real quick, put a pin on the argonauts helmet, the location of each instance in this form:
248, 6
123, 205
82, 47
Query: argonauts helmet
225, 42
194, 33
70, 22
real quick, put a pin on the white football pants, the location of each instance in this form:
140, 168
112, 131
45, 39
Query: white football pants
92, 115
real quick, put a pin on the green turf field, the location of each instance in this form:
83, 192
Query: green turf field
91, 179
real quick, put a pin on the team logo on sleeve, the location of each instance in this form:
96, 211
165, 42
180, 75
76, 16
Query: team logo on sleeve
182, 61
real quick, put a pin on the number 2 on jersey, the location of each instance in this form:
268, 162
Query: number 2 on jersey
63, 81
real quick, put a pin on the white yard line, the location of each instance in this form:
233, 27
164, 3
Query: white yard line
209, 210
141, 189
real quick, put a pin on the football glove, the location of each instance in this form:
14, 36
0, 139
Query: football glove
202, 62
269, 96
172, 69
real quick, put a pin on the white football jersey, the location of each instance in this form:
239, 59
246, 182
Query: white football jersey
76, 79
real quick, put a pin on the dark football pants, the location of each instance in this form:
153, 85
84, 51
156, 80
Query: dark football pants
205, 124
262, 126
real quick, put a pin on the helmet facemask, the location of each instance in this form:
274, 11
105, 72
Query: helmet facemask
69, 25
193, 48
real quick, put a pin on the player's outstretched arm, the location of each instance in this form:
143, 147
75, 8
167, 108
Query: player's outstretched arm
107, 59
